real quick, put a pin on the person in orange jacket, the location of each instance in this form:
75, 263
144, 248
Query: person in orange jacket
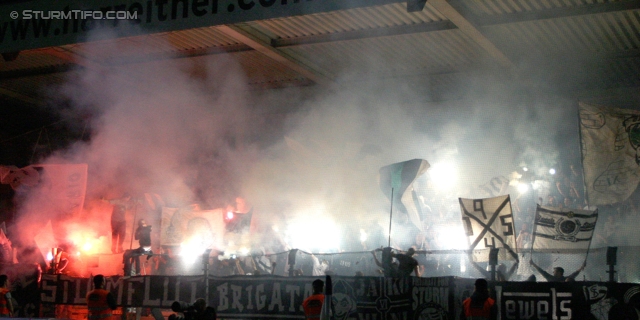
100, 301
479, 306
6, 306
313, 304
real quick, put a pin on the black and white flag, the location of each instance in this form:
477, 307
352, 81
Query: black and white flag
488, 224
563, 230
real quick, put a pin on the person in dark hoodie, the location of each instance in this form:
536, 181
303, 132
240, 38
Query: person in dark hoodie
479, 306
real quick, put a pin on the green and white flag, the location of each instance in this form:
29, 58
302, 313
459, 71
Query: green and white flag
610, 153
399, 177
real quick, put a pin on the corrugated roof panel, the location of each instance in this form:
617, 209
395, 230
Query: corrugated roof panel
401, 13
158, 43
185, 41
261, 69
321, 22
498, 7
367, 19
567, 3
31, 59
620, 72
590, 24
147, 44
625, 33
631, 24
558, 29
508, 6
121, 47
605, 30
477, 7
602, 33
557, 3
493, 7
348, 20
198, 38
522, 5
440, 51
32, 86
585, 38
384, 15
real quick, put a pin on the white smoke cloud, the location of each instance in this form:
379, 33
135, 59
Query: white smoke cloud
192, 131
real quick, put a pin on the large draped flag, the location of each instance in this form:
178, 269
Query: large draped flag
610, 153
60, 190
57, 195
563, 230
400, 177
496, 186
11, 175
488, 224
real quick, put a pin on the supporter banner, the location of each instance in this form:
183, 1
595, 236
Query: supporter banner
610, 153
542, 301
358, 297
564, 230
199, 228
269, 297
147, 291
578, 300
400, 177
488, 224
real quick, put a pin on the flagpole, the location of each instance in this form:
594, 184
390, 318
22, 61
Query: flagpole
390, 216
589, 248
133, 228
584, 181
533, 235
327, 312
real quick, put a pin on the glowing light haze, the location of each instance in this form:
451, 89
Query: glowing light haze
306, 158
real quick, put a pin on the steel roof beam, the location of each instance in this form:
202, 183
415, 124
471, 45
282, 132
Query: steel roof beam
260, 43
20, 97
595, 8
364, 34
470, 29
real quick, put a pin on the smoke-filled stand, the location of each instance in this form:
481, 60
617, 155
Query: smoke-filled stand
215, 158
194, 253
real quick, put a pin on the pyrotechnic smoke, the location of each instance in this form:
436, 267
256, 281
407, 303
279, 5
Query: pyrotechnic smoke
158, 127
191, 131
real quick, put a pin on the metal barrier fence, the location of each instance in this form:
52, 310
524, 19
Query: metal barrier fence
441, 263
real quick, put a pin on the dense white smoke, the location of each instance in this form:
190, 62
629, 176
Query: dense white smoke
192, 131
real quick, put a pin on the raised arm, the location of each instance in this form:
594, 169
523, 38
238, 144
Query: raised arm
375, 259
416, 270
511, 270
9, 304
483, 272
577, 272
545, 274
